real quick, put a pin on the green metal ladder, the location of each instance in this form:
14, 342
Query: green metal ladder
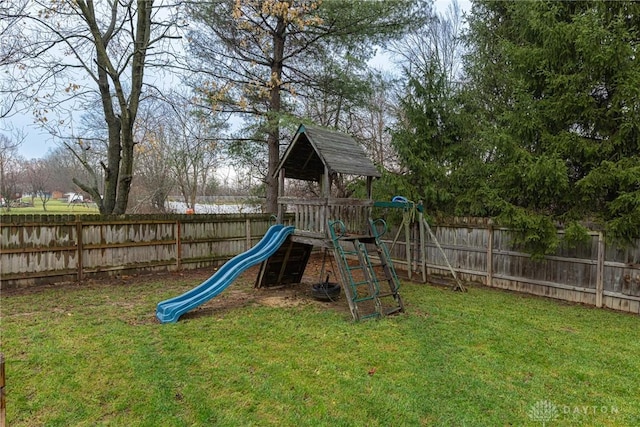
361, 284
390, 275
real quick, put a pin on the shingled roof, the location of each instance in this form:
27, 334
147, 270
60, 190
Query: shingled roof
314, 147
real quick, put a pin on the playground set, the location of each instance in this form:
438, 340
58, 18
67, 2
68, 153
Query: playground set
341, 226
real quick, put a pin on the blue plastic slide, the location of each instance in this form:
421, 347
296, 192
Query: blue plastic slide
170, 310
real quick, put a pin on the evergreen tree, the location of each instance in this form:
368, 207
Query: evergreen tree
558, 86
433, 135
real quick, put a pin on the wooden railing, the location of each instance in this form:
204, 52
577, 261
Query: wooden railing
311, 215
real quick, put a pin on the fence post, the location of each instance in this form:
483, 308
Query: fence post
80, 249
247, 230
600, 270
178, 245
423, 248
3, 406
490, 256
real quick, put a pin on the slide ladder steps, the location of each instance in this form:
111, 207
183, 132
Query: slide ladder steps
361, 283
370, 277
390, 275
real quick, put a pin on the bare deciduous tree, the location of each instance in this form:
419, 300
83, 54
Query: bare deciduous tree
439, 42
192, 136
38, 177
84, 52
9, 169
154, 178
179, 149
63, 166
11, 52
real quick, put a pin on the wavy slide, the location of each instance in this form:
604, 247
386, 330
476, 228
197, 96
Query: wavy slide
170, 310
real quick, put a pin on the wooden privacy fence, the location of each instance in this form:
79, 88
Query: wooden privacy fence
594, 273
39, 249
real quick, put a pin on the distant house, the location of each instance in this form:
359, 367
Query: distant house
57, 195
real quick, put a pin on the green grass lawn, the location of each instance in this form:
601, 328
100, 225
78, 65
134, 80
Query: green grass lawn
93, 354
53, 207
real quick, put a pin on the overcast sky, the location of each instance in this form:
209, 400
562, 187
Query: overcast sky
37, 143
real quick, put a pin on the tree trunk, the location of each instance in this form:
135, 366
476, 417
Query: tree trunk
107, 201
119, 168
273, 117
126, 169
129, 110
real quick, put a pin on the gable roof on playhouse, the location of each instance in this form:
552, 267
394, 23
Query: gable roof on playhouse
314, 147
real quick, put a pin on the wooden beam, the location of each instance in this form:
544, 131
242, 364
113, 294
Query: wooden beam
306, 162
80, 248
407, 240
423, 248
600, 270
285, 260
281, 208
325, 184
490, 256
325, 193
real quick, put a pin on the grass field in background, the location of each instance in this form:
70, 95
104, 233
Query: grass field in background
93, 354
53, 207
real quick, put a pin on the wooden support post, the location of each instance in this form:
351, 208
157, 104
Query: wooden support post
285, 260
407, 243
423, 248
600, 271
369, 187
281, 207
325, 193
247, 230
80, 249
490, 256
178, 245
3, 405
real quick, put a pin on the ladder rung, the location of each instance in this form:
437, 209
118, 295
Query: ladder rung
388, 294
393, 310
369, 298
376, 314
362, 250
364, 282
